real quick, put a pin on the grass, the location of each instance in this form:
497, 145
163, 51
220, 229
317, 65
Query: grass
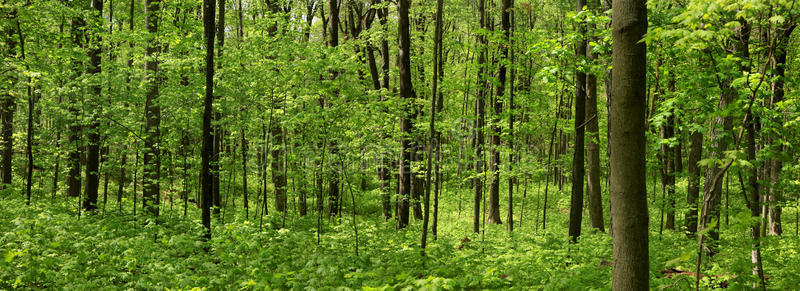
46, 246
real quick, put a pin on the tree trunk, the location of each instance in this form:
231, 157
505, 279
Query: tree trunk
93, 130
628, 147
245, 199
73, 178
384, 167
151, 190
408, 95
278, 177
576, 199
693, 191
778, 92
593, 143
480, 112
208, 103
500, 89
437, 42
712, 192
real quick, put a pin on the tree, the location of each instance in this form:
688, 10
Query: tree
208, 109
722, 125
74, 138
152, 110
576, 199
7, 99
593, 143
93, 128
407, 94
500, 90
432, 125
627, 147
480, 112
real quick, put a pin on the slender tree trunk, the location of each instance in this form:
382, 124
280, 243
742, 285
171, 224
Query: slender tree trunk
152, 154
500, 90
245, 200
593, 143
437, 42
208, 103
628, 145
278, 177
755, 208
9, 105
93, 128
408, 95
576, 201
693, 191
512, 179
480, 111
31, 107
73, 178
776, 164
384, 167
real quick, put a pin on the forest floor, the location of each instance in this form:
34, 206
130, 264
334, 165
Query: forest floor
47, 246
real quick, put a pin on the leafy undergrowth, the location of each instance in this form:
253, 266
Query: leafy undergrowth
46, 246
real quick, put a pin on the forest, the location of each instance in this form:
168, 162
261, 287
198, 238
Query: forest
399, 144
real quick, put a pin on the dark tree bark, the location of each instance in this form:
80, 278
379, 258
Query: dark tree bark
74, 138
480, 112
31, 108
217, 132
512, 179
8, 103
500, 90
576, 199
593, 143
208, 103
437, 42
384, 167
628, 145
245, 200
93, 128
333, 181
151, 190
407, 94
778, 93
278, 176
693, 191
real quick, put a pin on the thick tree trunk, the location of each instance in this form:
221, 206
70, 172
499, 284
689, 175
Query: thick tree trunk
628, 146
